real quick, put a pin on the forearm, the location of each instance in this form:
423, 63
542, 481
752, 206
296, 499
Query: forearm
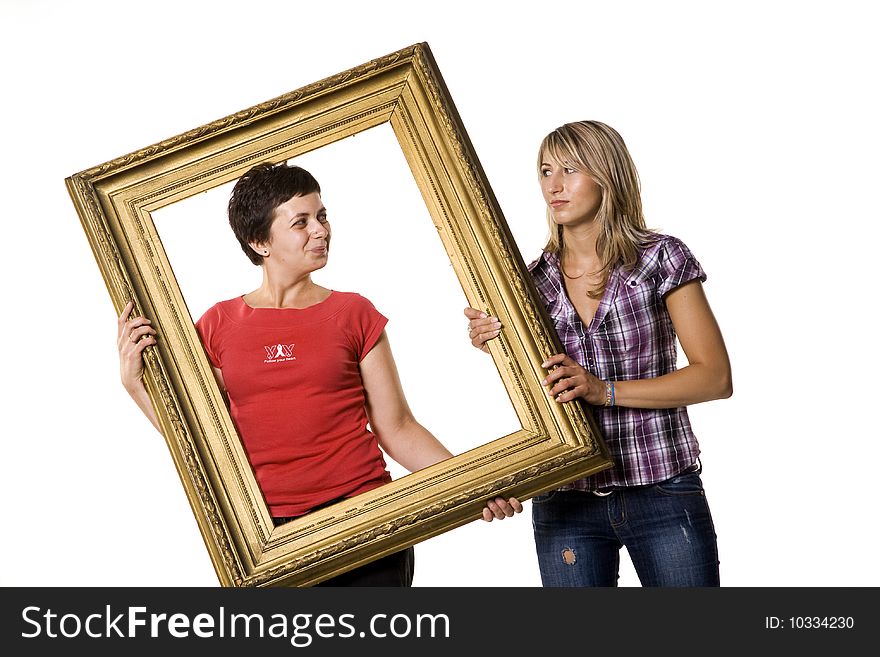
692, 384
138, 392
133, 336
411, 445
403, 439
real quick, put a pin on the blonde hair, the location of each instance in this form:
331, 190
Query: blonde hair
598, 150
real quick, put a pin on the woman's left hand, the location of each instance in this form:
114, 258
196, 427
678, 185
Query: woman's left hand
569, 380
499, 508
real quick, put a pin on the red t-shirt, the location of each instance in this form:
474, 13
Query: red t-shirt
297, 398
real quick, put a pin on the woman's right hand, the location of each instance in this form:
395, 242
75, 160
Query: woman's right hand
134, 335
481, 328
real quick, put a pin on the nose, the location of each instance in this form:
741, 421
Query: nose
552, 182
318, 229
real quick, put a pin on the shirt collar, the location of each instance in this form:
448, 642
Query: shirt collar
546, 268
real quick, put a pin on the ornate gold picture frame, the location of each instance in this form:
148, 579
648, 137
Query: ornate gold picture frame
557, 443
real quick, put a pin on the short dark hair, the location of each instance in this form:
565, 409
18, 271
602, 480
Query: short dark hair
255, 197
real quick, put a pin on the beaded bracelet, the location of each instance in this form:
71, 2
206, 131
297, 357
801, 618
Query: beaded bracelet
609, 393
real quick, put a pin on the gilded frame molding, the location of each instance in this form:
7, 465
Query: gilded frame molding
557, 443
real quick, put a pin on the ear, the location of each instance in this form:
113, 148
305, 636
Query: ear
259, 249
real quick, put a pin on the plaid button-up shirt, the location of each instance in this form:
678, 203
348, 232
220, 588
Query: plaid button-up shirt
630, 337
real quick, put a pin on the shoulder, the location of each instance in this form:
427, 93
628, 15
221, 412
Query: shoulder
357, 318
661, 250
667, 261
351, 307
660, 244
220, 311
352, 300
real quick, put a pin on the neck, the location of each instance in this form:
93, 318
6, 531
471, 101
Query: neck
580, 244
279, 290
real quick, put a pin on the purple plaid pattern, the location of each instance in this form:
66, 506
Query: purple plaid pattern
631, 337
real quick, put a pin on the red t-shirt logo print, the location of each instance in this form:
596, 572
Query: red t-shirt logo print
279, 351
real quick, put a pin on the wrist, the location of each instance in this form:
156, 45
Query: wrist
610, 397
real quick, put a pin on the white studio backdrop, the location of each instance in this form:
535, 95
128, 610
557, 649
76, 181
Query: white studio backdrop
754, 130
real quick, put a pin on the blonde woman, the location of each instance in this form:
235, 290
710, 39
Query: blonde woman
618, 295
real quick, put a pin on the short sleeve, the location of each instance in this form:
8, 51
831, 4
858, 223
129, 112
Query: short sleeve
677, 266
207, 330
366, 325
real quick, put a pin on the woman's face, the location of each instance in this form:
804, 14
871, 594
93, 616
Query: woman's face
573, 196
300, 234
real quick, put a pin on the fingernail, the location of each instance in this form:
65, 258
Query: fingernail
544, 364
483, 315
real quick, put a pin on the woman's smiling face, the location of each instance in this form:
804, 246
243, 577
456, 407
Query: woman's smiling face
299, 238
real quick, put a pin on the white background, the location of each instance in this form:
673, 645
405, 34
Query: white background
754, 128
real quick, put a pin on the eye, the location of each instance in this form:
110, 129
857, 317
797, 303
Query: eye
570, 170
545, 172
322, 218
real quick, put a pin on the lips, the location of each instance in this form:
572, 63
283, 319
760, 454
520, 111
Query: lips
557, 204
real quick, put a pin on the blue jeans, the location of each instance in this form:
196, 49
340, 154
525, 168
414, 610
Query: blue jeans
667, 530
